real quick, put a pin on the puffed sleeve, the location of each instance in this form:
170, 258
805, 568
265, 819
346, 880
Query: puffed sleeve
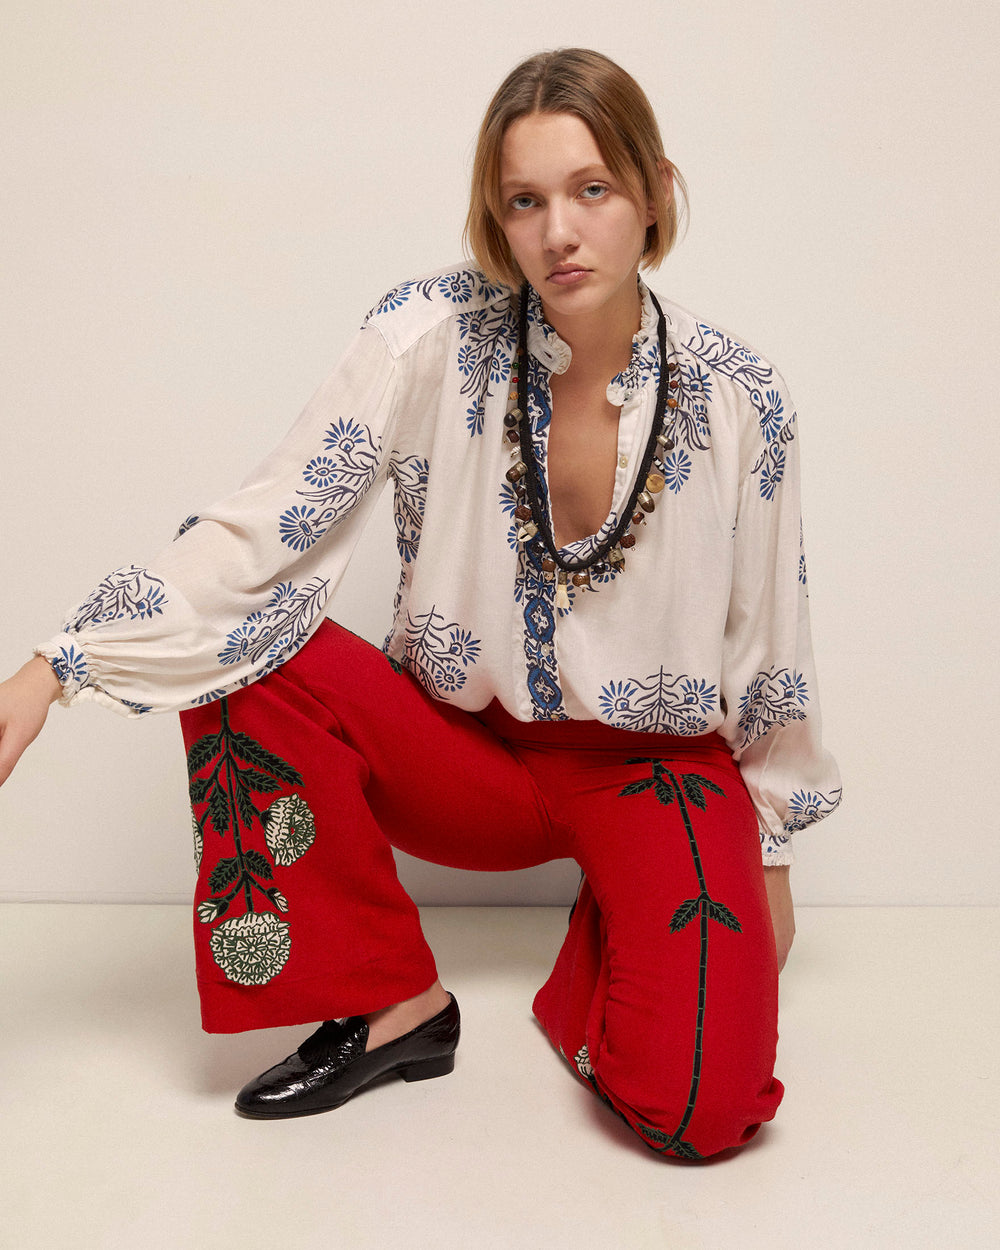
246, 582
769, 680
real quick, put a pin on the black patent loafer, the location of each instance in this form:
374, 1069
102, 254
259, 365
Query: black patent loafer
332, 1065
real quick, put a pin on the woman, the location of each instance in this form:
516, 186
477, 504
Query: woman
599, 649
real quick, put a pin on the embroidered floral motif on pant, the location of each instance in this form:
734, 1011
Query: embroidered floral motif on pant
251, 949
668, 788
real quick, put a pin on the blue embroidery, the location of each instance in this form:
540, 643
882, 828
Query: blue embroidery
336, 482
774, 697
662, 703
643, 367
748, 371
129, 593
279, 629
772, 843
438, 653
70, 666
188, 523
298, 529
487, 344
458, 287
210, 696
508, 502
771, 467
537, 593
320, 471
410, 499
805, 807
143, 709
802, 560
677, 469
770, 414
690, 425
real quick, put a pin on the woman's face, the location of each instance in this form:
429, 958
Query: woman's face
570, 224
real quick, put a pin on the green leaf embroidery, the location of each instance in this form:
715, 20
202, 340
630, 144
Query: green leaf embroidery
721, 913
257, 863
223, 874
218, 811
684, 914
261, 757
669, 1141
664, 792
636, 787
260, 783
199, 789
245, 807
694, 787
201, 752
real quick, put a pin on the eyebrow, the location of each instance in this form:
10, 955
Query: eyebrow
586, 171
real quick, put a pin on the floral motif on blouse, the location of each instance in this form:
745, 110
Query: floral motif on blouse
660, 703
279, 629
439, 652
774, 697
334, 482
130, 593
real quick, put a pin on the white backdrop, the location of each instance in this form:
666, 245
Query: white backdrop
201, 200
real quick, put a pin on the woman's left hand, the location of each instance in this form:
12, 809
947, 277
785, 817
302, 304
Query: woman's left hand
779, 900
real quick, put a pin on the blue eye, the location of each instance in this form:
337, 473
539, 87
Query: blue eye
521, 202
594, 191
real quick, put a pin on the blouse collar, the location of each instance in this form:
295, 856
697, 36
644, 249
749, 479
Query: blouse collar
555, 354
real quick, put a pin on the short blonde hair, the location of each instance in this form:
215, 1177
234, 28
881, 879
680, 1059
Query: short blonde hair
614, 106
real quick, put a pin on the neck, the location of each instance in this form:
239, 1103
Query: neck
601, 342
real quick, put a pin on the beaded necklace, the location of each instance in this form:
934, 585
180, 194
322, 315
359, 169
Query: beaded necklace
524, 476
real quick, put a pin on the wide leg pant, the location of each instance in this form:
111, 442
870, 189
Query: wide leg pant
664, 995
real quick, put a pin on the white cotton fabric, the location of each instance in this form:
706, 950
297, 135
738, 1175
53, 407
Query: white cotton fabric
706, 628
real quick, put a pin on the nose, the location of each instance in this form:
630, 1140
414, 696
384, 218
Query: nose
560, 233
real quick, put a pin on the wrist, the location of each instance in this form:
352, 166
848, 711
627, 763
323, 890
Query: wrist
42, 676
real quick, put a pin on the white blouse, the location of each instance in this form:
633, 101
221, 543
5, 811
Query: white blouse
705, 628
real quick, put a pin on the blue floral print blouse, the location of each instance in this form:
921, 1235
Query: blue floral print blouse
707, 629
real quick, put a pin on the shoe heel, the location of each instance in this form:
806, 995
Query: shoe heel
426, 1069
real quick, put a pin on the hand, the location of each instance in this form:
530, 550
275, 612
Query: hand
779, 900
25, 699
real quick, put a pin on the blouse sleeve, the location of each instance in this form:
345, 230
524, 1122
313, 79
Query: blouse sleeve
245, 583
769, 681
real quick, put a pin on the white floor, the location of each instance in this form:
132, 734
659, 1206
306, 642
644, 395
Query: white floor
117, 1126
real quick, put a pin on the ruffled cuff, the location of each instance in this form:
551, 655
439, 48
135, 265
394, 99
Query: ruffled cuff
775, 848
69, 663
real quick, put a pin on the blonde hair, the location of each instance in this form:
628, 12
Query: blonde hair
614, 106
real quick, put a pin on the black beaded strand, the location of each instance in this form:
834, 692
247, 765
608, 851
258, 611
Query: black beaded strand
529, 513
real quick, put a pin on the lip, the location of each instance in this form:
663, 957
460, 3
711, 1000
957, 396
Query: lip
568, 275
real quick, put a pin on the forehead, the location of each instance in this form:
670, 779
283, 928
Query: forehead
548, 146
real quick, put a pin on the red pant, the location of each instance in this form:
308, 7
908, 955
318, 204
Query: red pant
664, 995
